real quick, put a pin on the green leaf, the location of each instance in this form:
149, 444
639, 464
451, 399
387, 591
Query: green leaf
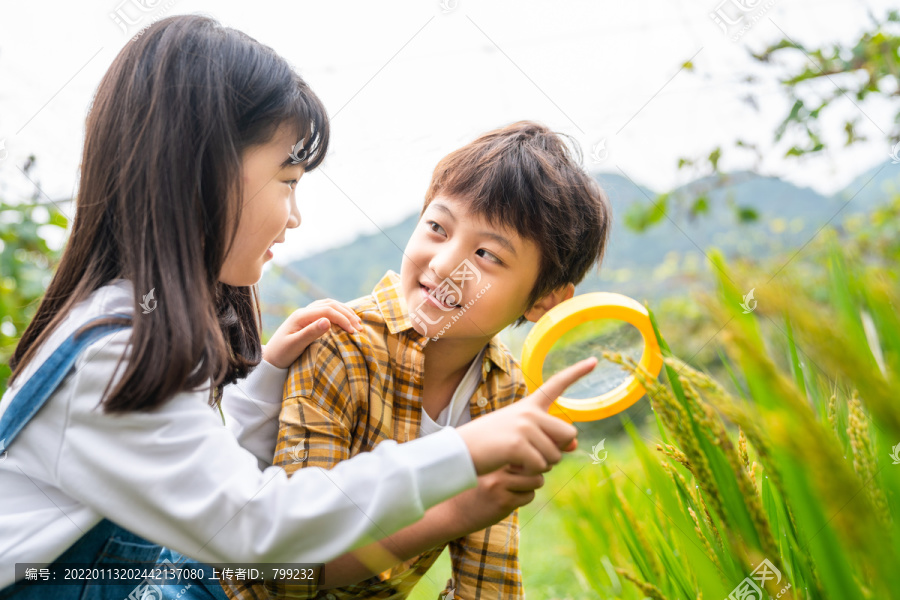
700, 206
745, 214
640, 216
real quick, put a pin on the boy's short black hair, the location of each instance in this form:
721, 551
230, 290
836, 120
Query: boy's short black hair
524, 176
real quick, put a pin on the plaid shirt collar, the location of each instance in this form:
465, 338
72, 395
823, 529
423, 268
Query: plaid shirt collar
393, 308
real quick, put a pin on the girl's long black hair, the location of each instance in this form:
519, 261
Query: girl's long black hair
160, 198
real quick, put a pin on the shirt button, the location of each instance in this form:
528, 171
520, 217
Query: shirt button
487, 367
482, 402
331, 597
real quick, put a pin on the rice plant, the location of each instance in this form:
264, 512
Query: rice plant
782, 480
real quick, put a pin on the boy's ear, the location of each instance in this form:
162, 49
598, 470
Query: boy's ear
548, 301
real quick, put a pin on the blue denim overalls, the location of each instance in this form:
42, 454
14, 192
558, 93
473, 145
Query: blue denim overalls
106, 544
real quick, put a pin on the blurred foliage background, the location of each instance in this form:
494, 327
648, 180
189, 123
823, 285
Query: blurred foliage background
29, 230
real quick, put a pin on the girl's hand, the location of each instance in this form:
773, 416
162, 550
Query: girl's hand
522, 434
306, 325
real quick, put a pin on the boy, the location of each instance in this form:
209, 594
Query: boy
510, 224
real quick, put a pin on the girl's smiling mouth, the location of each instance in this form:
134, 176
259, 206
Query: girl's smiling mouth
269, 253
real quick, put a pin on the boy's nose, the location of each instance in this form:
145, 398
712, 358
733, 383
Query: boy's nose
443, 264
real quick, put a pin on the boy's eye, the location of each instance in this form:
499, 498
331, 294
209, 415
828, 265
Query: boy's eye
485, 254
435, 227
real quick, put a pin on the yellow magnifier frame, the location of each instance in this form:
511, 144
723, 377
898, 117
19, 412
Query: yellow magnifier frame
571, 313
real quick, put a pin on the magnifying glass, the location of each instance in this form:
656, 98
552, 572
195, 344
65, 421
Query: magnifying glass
591, 323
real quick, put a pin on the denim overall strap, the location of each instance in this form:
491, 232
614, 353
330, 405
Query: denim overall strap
40, 386
105, 544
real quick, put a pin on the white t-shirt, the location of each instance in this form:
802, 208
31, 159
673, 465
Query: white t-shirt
457, 412
177, 477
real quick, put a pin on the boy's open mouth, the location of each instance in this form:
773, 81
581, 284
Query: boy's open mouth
436, 298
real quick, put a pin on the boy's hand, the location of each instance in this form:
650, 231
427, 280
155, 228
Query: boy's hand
497, 495
523, 434
304, 326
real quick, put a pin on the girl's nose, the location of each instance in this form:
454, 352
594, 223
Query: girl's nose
294, 218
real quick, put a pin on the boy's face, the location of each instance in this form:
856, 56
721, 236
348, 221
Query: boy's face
456, 261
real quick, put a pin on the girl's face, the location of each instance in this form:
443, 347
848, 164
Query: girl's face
269, 208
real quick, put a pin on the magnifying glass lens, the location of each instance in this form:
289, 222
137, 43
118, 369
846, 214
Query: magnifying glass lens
591, 339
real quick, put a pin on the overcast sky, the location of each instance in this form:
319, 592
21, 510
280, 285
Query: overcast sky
407, 82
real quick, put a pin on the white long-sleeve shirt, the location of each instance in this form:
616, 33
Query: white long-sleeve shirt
180, 478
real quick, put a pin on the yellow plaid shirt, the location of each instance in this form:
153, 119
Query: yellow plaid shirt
349, 392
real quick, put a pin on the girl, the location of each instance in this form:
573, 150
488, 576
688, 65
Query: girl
194, 144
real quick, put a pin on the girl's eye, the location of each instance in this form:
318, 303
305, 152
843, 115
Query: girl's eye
435, 227
491, 257
292, 183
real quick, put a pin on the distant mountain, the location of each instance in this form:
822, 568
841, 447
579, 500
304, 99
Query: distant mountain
668, 256
871, 188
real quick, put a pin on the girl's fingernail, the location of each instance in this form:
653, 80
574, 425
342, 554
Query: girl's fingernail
323, 324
